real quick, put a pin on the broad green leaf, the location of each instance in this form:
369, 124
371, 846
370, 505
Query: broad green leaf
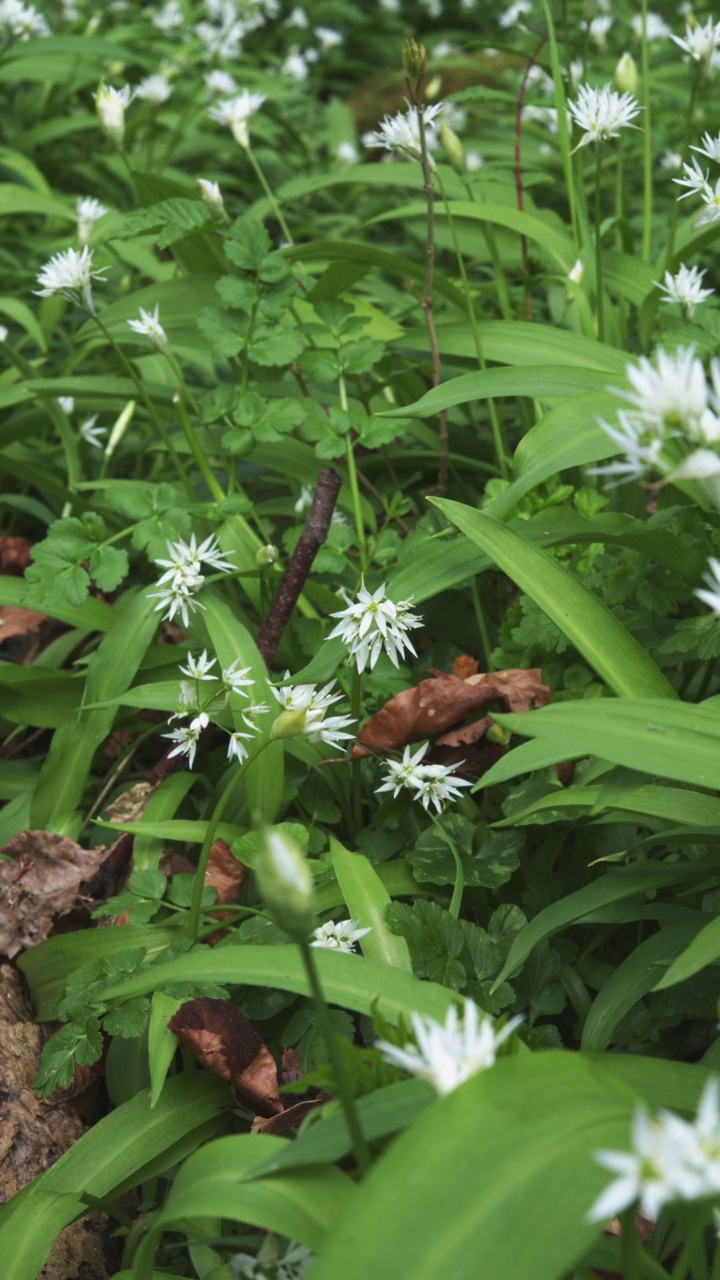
535, 228
381, 1113
588, 624
190, 830
612, 886
366, 898
161, 806
350, 981
521, 343
671, 739
397, 878
568, 436
513, 1145
47, 966
704, 949
161, 1042
633, 979
539, 382
91, 615
16, 199
110, 670
672, 804
120, 1151
232, 642
218, 1181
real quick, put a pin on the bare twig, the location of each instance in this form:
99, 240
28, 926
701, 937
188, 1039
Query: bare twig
300, 563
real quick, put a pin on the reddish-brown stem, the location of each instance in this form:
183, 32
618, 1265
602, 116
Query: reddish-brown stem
300, 563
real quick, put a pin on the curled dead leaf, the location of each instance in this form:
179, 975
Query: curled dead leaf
436, 707
220, 1037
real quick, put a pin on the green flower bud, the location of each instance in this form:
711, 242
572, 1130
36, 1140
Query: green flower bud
499, 735
286, 884
266, 556
289, 724
453, 147
414, 60
626, 74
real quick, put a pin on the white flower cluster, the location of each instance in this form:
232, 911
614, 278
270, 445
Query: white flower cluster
304, 711
448, 1054
339, 937
401, 133
602, 113
184, 578
700, 44
697, 183
372, 623
672, 431
672, 403
22, 21
236, 112
197, 706
671, 1160
228, 22
71, 275
429, 783
684, 287
88, 210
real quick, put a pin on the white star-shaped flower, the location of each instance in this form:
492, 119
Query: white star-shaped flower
449, 1054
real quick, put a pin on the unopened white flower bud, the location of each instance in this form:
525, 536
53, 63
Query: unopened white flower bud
577, 272
453, 147
212, 196
286, 884
626, 74
110, 105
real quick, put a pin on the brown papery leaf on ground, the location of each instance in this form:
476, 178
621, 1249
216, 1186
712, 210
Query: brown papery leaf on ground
39, 885
227, 875
23, 633
226, 1042
14, 556
437, 705
289, 1119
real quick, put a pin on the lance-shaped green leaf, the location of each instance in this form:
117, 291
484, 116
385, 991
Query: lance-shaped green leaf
366, 899
668, 738
588, 624
350, 981
702, 951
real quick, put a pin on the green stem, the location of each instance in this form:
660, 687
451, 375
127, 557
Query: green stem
195, 912
647, 139
353, 479
670, 251
481, 624
598, 252
270, 194
352, 1119
154, 415
355, 709
494, 422
196, 451
630, 1245
459, 888
503, 292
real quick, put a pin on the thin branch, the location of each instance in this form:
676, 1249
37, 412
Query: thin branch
293, 580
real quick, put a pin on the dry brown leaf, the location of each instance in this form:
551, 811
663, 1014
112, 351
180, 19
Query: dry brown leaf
23, 633
130, 806
437, 705
225, 873
14, 555
39, 885
465, 666
226, 1042
289, 1119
